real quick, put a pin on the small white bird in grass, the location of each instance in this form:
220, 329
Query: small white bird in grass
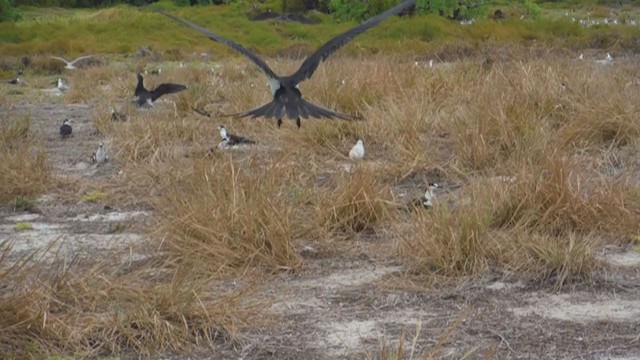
581, 56
607, 61
100, 156
228, 139
62, 86
357, 151
65, 129
429, 196
70, 63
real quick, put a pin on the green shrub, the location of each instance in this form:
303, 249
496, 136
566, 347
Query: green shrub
344, 10
8, 12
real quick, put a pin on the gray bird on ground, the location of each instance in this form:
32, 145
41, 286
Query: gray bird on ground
287, 99
65, 129
144, 97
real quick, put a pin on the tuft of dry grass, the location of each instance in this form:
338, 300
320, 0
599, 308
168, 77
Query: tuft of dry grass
24, 170
400, 350
223, 216
92, 311
552, 197
359, 203
448, 242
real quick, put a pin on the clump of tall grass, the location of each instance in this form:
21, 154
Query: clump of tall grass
24, 170
542, 222
552, 197
358, 203
94, 311
226, 216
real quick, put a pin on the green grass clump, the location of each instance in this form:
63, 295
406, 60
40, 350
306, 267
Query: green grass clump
24, 203
94, 196
23, 226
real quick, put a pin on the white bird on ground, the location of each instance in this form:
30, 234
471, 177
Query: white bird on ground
70, 63
608, 60
100, 156
581, 56
230, 139
62, 86
357, 151
429, 196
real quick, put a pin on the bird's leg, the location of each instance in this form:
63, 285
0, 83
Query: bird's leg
279, 123
298, 122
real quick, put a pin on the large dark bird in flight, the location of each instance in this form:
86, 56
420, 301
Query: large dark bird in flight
145, 98
287, 99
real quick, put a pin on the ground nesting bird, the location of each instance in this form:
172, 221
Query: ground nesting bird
16, 81
287, 99
202, 112
154, 71
62, 86
65, 129
118, 116
144, 97
70, 65
607, 60
357, 151
427, 200
100, 156
232, 139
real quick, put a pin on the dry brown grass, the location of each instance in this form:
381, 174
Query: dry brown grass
23, 165
358, 203
242, 213
222, 215
92, 310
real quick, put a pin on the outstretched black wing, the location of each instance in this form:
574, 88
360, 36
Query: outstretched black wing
235, 46
166, 88
310, 65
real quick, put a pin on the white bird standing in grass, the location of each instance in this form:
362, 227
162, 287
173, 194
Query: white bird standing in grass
357, 151
608, 60
62, 86
100, 156
429, 196
70, 63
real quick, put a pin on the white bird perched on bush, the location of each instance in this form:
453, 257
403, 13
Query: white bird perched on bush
357, 151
